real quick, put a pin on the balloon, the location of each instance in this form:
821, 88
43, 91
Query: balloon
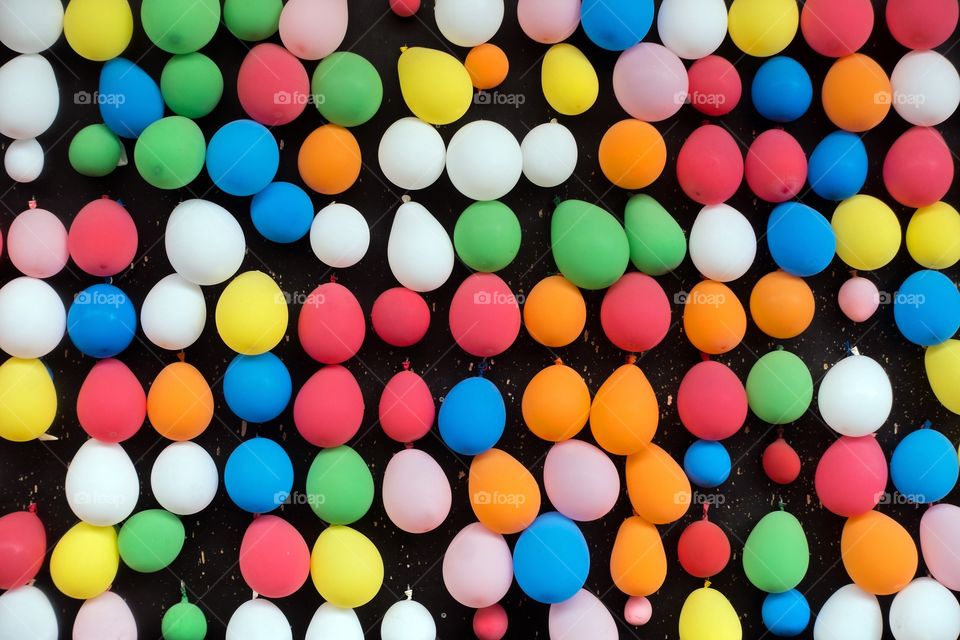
329, 160
625, 399
129, 99
32, 97
925, 609
707, 464
313, 29
331, 326
487, 236
346, 567
655, 68
632, 154
658, 489
868, 232
940, 364
616, 25
710, 165
32, 318
400, 317
101, 321
776, 555
339, 485
503, 493
416, 492
568, 80
487, 65
25, 612
692, 29
926, 88
923, 467
258, 618
334, 623
484, 161
858, 299
581, 482
411, 154
435, 86
272, 85
419, 250
184, 621
786, 614
922, 25
856, 93
468, 23
582, 617
780, 388
878, 553
170, 153
37, 243
548, 21
927, 308
328, 409
781, 90
84, 561
405, 8
836, 29
150, 540
708, 615
258, 475
23, 546
204, 242
589, 245
180, 26
638, 563
549, 154
715, 86
477, 567
184, 478
406, 411
252, 314
257, 388
252, 20
781, 462
800, 239
554, 312
937, 545
102, 487
918, 168
484, 315
781, 305
635, 296
191, 84
851, 476
30, 403
274, 558
103, 238
703, 549
849, 614
723, 244
763, 28
637, 611
242, 157
556, 404
490, 623
174, 313
838, 166
711, 401
30, 27
179, 402
408, 620
95, 151
933, 236
713, 318
346, 89
657, 243
775, 166
23, 160
551, 559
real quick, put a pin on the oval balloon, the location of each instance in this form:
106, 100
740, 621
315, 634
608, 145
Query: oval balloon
31, 400
504, 495
150, 540
419, 250
407, 620
487, 236
711, 401
329, 622
616, 25
569, 81
258, 618
779, 387
776, 555
549, 154
106, 616
925, 609
855, 396
180, 403
554, 312
272, 85
918, 168
347, 89
204, 242
252, 314
940, 363
923, 467
103, 238
589, 245
484, 315
313, 29
703, 549
406, 409
851, 476
932, 234
173, 313
878, 553
776, 166
635, 314
800, 239
32, 318
258, 475
638, 563
581, 482
927, 308
692, 29
723, 244
940, 549
472, 416
339, 235
657, 486
551, 559
346, 567
25, 612
786, 614
416, 492
781, 462
34, 97
782, 305
184, 478
339, 485
477, 567
657, 243
274, 558
714, 320
102, 486
849, 613
484, 160
548, 22
129, 99
411, 154
708, 615
556, 403
84, 561
710, 165
328, 409
582, 616
434, 84
400, 317
868, 232
23, 546
624, 413
468, 24
111, 403
257, 388
331, 326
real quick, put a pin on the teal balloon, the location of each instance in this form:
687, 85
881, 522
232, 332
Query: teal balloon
487, 236
776, 555
589, 245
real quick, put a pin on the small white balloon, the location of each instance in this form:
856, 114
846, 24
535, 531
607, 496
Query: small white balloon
419, 249
723, 244
925, 610
484, 161
30, 26
106, 616
258, 619
468, 23
184, 478
582, 617
411, 154
855, 396
204, 242
23, 160
26, 614
32, 318
31, 97
102, 486
926, 88
333, 623
339, 235
173, 313
549, 154
692, 29
849, 614
408, 620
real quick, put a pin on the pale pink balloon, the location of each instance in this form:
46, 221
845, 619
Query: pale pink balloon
940, 543
478, 567
548, 21
313, 29
416, 492
858, 298
582, 617
638, 611
37, 243
581, 480
650, 82
106, 616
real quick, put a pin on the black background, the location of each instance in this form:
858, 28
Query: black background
35, 471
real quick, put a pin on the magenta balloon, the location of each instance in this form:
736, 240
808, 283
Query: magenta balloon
484, 315
548, 21
650, 82
111, 403
106, 616
37, 243
711, 401
776, 166
272, 85
274, 557
331, 326
635, 313
940, 543
103, 238
477, 567
23, 545
328, 409
918, 168
851, 476
400, 317
710, 165
407, 409
416, 492
582, 616
581, 480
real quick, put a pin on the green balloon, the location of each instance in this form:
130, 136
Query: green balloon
95, 151
339, 485
184, 621
346, 89
657, 243
191, 85
252, 20
170, 152
779, 387
180, 26
150, 540
589, 245
487, 236
776, 555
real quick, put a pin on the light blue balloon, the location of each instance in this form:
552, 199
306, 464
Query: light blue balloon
616, 24
707, 464
102, 321
472, 416
837, 168
781, 89
258, 476
282, 212
242, 157
257, 388
800, 239
128, 98
924, 466
551, 559
927, 308
786, 614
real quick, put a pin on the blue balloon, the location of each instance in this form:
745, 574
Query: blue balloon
472, 416
282, 212
707, 464
616, 24
924, 466
101, 321
781, 89
259, 475
242, 157
128, 98
837, 169
551, 559
927, 308
800, 239
257, 388
786, 614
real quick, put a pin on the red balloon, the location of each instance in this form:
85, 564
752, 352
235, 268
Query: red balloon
484, 315
274, 558
711, 401
407, 409
710, 165
405, 8
780, 462
400, 317
23, 545
635, 313
490, 623
715, 86
331, 326
918, 169
922, 24
103, 238
836, 28
111, 403
776, 166
851, 476
704, 549
328, 409
272, 85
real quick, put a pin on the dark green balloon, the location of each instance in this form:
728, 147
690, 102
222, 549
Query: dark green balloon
184, 621
776, 555
346, 89
150, 540
170, 152
657, 243
339, 485
779, 387
252, 20
95, 151
180, 26
589, 245
191, 85
487, 236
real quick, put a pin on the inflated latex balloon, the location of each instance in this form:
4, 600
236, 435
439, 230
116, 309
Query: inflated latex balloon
150, 540
711, 401
204, 242
638, 563
257, 388
851, 476
855, 396
581, 482
102, 487
925, 609
776, 555
339, 485
551, 559
659, 490
657, 243
107, 615
658, 71
472, 416
477, 567
933, 236
103, 238
710, 165
589, 245
723, 243
923, 467
487, 236
329, 407
346, 89
781, 89
331, 326
174, 313
31, 400
111, 403
180, 26
400, 317
503, 494
856, 93
419, 251
941, 367
408, 620
927, 308
837, 169
878, 553
781, 305
435, 86
180, 403
703, 549
582, 616
635, 314
252, 314
416, 492
714, 320
252, 20
491, 623
692, 29
926, 88
776, 166
625, 398
780, 388
32, 318
707, 463
858, 298
85, 560
23, 546
554, 312
329, 160
616, 25
637, 611
258, 618
129, 99
98, 29
938, 546
781, 462
313, 29
484, 315
836, 29
25, 612
868, 232
346, 567
800, 239
918, 168
715, 86
272, 85
184, 621
274, 558
487, 65
763, 28
330, 622
23, 160
632, 154
101, 321
406, 411
468, 23
170, 152
569, 81
918, 24
849, 614
708, 615
184, 478
30, 27
786, 614
37, 243
339, 235
556, 404
242, 157
258, 475
282, 212
191, 84
411, 154
548, 21
549, 154
484, 161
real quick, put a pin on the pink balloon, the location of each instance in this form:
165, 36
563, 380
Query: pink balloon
274, 558
859, 298
635, 313
111, 403
272, 85
400, 317
23, 546
328, 409
715, 86
836, 29
484, 315
922, 24
710, 165
37, 243
313, 29
851, 476
407, 409
106, 616
490, 623
103, 238
331, 326
776, 166
650, 82
918, 169
582, 616
416, 492
404, 8
477, 567
548, 21
940, 543
581, 480
711, 401
638, 611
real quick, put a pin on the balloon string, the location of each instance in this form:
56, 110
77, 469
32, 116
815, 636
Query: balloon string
32, 203
706, 509
926, 424
781, 504
706, 584
482, 367
182, 356
333, 278
556, 201
558, 361
632, 358
183, 591
406, 364
32, 507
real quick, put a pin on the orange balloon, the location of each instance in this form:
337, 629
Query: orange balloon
554, 312
556, 403
180, 403
632, 154
658, 488
782, 305
878, 553
487, 65
505, 496
624, 413
856, 93
713, 318
329, 160
638, 563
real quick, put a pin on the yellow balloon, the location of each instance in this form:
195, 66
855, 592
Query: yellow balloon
933, 236
708, 615
252, 314
435, 85
98, 29
868, 232
346, 567
763, 28
569, 81
942, 363
85, 561
29, 399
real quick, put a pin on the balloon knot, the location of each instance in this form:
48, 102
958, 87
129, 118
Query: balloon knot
405, 198
853, 273
781, 505
706, 510
779, 347
482, 367
706, 584
632, 358
32, 507
926, 424
704, 357
408, 593
403, 48
32, 203
558, 361
333, 278
183, 591
779, 433
406, 364
408, 445
119, 202
556, 201
182, 356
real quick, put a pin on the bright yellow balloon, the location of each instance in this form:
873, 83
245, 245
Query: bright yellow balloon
708, 615
868, 232
569, 81
763, 28
933, 236
98, 29
252, 314
943, 371
435, 85
29, 399
346, 567
85, 561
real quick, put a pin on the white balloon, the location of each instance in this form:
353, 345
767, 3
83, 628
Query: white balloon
184, 478
484, 161
256, 620
106, 616
408, 620
26, 614
925, 610
426, 508
692, 29
926, 88
173, 313
582, 617
23, 161
102, 486
855, 396
411, 154
849, 614
549, 154
32, 318
477, 567
467, 23
31, 97
204, 242
30, 26
419, 250
333, 623
723, 244
339, 235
